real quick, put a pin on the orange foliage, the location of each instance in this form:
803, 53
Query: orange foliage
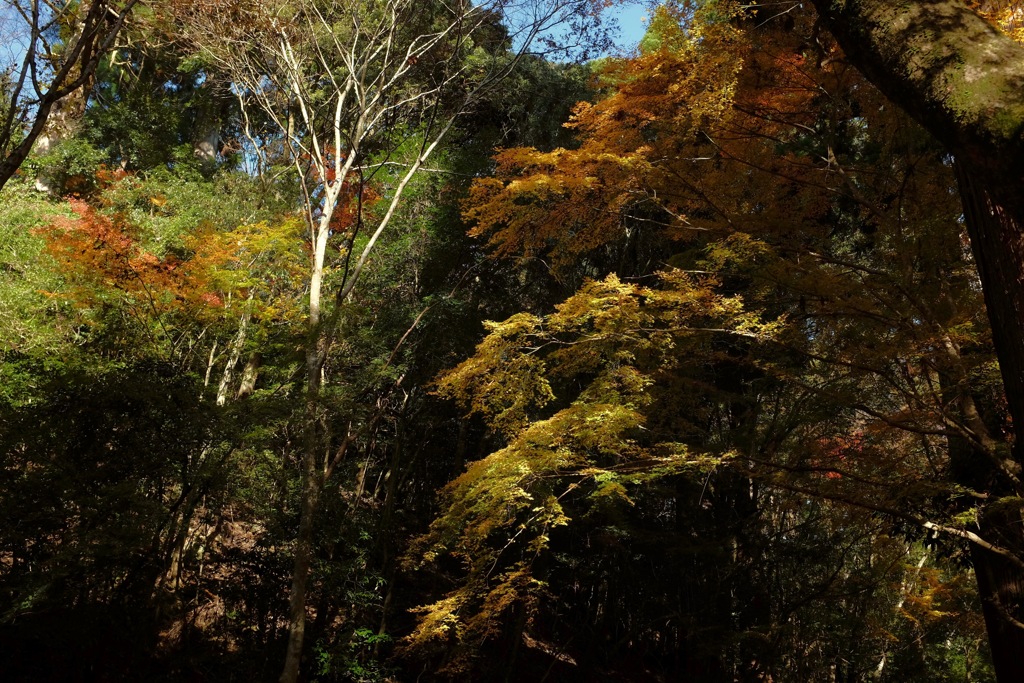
780, 167
568, 202
102, 261
356, 195
1008, 15
98, 252
687, 141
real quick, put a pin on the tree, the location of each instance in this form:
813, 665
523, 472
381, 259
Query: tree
783, 182
343, 89
63, 45
961, 77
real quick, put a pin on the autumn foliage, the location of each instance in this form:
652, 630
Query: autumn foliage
215, 275
737, 167
704, 391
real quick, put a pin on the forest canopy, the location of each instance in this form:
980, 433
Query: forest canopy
393, 341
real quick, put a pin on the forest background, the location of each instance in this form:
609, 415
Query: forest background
393, 340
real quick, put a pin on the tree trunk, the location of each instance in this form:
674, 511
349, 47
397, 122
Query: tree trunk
994, 225
233, 355
312, 485
300, 571
996, 240
64, 118
962, 80
1001, 586
249, 376
93, 35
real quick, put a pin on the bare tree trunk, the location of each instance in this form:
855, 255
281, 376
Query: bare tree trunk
249, 375
300, 570
998, 244
312, 483
300, 577
326, 125
233, 355
997, 240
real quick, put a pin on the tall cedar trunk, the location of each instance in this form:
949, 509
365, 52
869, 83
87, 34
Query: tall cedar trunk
993, 215
1001, 586
996, 240
963, 81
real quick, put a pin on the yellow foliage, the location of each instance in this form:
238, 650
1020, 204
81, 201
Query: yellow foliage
699, 139
607, 347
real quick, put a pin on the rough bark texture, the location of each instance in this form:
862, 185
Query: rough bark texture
963, 81
1001, 584
948, 67
994, 212
996, 240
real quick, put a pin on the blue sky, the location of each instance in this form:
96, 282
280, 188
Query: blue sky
630, 19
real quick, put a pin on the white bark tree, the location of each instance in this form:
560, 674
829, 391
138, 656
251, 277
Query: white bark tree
340, 82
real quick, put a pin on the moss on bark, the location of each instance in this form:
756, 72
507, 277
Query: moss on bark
948, 67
